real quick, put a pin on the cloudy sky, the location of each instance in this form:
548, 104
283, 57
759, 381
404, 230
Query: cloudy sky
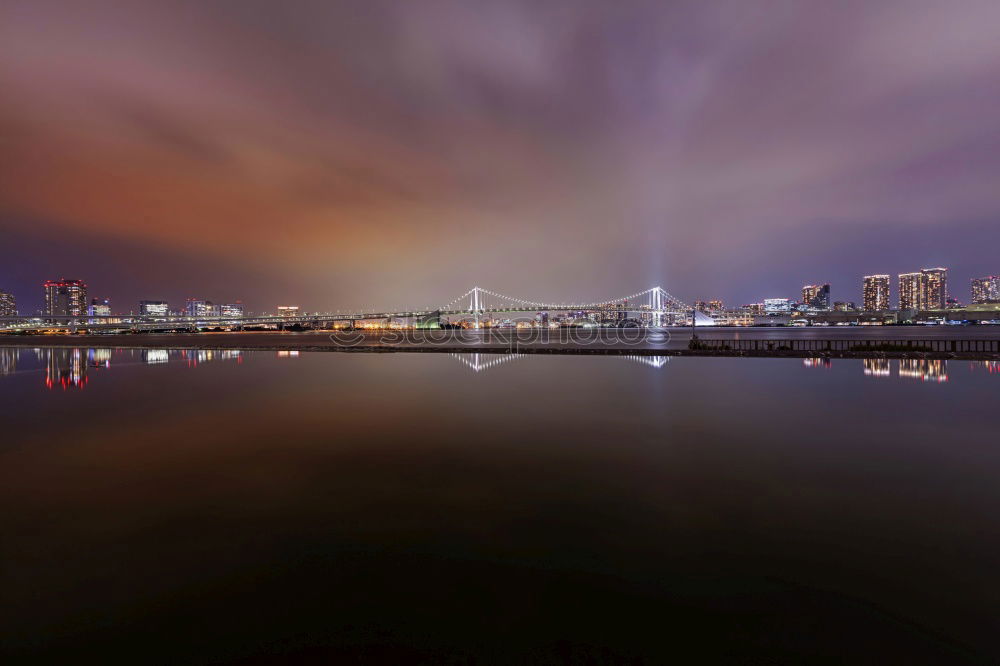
339, 154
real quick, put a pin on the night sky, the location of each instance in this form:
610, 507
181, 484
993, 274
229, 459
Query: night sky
341, 154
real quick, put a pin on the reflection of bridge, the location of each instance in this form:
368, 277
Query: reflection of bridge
480, 362
653, 307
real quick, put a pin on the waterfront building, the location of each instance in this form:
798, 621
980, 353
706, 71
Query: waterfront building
753, 308
777, 306
876, 292
154, 308
65, 297
817, 296
935, 284
925, 290
198, 307
231, 309
986, 289
99, 307
738, 317
844, 306
8, 305
288, 311
910, 290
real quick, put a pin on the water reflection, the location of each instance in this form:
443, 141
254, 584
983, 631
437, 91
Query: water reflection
656, 362
68, 368
64, 367
99, 358
924, 370
876, 367
481, 362
8, 361
198, 356
155, 356
992, 367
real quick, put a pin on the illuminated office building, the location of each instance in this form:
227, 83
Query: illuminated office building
8, 306
777, 306
986, 289
99, 307
288, 311
231, 309
816, 296
198, 307
154, 308
65, 297
876, 292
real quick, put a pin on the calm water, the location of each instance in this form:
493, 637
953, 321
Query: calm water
185, 507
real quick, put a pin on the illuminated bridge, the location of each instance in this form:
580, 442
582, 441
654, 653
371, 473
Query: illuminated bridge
654, 307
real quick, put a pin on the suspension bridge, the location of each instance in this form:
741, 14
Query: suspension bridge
653, 307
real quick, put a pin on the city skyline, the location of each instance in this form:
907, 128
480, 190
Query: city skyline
873, 290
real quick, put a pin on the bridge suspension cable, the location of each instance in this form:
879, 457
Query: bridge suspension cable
660, 300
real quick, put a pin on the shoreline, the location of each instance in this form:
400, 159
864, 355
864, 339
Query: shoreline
244, 342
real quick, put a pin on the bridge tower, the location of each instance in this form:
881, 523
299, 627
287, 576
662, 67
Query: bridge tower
656, 305
476, 304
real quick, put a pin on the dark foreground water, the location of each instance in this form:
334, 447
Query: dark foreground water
183, 508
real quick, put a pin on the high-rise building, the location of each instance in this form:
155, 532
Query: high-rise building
876, 292
986, 289
926, 290
816, 295
910, 290
65, 297
935, 295
8, 306
154, 308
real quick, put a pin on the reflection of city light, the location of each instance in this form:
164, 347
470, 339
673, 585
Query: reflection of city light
288, 354
480, 362
99, 358
8, 361
992, 367
877, 367
66, 368
153, 356
648, 361
817, 362
924, 370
